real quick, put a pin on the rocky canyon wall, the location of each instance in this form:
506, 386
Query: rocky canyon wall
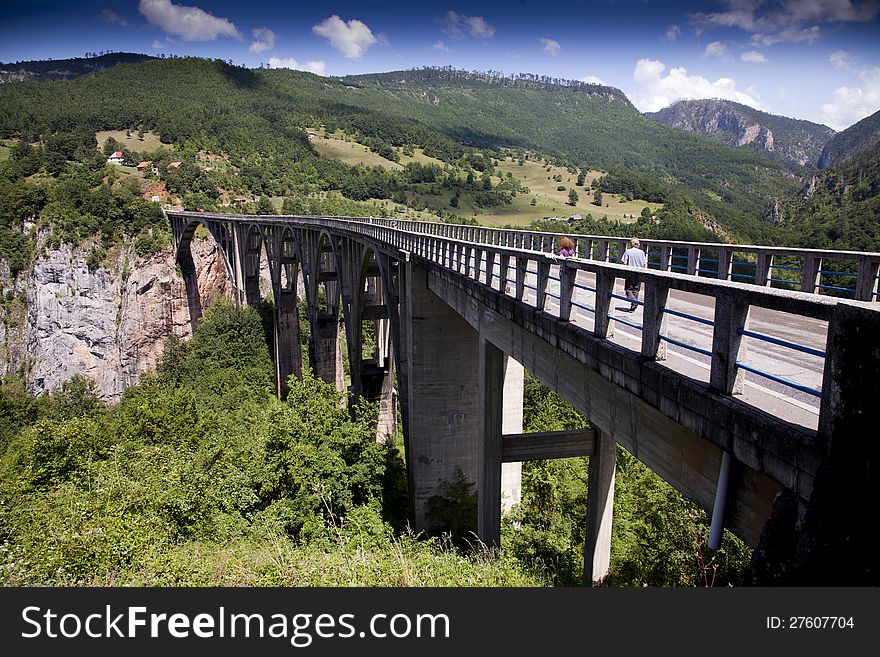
110, 324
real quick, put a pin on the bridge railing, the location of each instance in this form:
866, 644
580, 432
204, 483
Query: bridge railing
849, 274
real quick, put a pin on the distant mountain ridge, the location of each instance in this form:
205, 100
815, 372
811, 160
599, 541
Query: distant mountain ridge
791, 141
65, 69
858, 137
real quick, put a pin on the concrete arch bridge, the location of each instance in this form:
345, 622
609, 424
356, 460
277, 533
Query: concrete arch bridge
747, 378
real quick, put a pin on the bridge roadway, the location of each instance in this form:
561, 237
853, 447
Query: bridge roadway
460, 317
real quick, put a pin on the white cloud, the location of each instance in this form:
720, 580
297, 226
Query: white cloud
657, 90
716, 49
352, 39
772, 22
157, 45
673, 33
841, 59
592, 79
265, 39
550, 45
459, 26
754, 57
852, 104
788, 35
189, 23
110, 16
439, 45
289, 62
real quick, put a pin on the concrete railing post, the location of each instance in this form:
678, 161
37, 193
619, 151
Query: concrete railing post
725, 260
763, 268
603, 326
665, 257
654, 320
727, 346
866, 283
522, 264
693, 259
810, 274
566, 289
543, 276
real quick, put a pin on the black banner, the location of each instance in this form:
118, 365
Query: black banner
277, 621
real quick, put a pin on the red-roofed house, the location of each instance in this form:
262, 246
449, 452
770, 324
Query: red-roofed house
115, 158
174, 165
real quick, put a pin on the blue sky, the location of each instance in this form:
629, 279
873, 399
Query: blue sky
810, 59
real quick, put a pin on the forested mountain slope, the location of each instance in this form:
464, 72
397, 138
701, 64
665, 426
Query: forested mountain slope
256, 117
845, 144
838, 208
588, 125
65, 69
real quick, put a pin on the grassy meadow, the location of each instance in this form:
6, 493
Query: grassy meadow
150, 142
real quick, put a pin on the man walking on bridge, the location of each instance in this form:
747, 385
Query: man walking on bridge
633, 257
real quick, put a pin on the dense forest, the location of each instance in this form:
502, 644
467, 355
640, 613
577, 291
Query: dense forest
200, 476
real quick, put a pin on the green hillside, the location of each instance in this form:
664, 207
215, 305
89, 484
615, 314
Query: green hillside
590, 126
255, 120
845, 144
839, 208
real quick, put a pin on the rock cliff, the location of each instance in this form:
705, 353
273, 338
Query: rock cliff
108, 324
790, 141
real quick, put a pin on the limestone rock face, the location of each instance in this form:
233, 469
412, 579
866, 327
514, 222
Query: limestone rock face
791, 141
108, 324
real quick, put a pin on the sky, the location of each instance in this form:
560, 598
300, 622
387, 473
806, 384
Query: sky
817, 60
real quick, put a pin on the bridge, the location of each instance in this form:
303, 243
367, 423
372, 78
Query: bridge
747, 378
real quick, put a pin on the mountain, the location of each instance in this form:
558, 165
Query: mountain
257, 117
845, 144
838, 207
65, 69
791, 141
587, 125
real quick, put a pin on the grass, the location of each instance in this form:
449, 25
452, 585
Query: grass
6, 148
540, 178
349, 152
150, 142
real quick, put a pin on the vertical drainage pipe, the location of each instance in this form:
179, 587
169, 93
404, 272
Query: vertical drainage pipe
716, 530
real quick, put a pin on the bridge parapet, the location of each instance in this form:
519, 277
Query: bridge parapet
852, 274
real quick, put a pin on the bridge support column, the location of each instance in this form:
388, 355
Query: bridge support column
492, 362
512, 423
441, 362
326, 356
191, 284
600, 510
288, 354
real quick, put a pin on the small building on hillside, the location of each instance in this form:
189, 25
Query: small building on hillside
174, 165
142, 166
115, 158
